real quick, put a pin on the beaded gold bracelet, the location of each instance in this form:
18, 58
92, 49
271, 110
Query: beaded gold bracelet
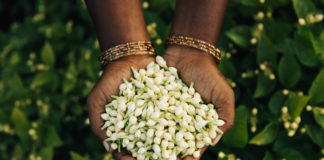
195, 43
126, 49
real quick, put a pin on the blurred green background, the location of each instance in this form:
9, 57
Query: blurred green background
273, 57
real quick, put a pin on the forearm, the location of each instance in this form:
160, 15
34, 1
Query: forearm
200, 19
117, 21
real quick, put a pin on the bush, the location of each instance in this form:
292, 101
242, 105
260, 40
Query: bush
273, 58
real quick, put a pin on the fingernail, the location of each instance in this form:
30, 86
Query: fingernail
106, 145
217, 139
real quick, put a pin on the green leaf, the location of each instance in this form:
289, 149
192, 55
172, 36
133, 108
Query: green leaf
291, 154
52, 138
318, 44
240, 35
46, 153
319, 116
237, 136
48, 55
266, 51
303, 7
304, 49
76, 156
296, 104
42, 78
267, 135
268, 156
316, 134
316, 91
227, 68
264, 86
287, 46
21, 123
17, 88
277, 31
277, 100
289, 71
250, 2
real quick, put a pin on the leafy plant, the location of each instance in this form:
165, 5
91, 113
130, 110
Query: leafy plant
273, 57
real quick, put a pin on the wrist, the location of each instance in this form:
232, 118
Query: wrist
179, 52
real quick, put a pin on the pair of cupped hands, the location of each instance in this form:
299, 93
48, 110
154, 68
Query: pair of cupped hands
193, 66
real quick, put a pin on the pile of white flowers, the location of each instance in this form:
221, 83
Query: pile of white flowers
157, 116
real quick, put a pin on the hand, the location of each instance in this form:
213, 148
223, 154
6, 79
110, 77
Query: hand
108, 85
199, 67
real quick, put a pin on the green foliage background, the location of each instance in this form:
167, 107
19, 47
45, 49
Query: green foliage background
48, 55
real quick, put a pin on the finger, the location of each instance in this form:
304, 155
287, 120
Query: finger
216, 140
107, 146
96, 103
98, 98
222, 96
190, 157
226, 111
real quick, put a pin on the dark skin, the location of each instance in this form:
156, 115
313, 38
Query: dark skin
122, 21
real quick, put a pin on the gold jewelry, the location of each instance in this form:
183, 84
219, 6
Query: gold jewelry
195, 43
126, 49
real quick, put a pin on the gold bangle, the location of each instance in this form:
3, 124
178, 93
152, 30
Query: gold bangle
126, 49
195, 43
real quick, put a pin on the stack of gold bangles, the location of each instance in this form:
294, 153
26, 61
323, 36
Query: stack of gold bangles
122, 50
145, 47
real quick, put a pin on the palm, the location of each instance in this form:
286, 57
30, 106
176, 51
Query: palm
194, 66
108, 85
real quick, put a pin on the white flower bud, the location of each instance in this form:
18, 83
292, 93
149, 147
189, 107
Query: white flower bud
167, 136
191, 143
189, 136
132, 120
120, 125
122, 87
165, 154
157, 140
130, 107
164, 144
130, 146
200, 144
138, 134
190, 151
108, 133
179, 136
173, 157
162, 105
294, 125
150, 122
159, 133
170, 145
161, 61
141, 124
139, 144
138, 112
191, 91
196, 154
156, 149
220, 122
207, 140
178, 111
212, 134
284, 109
183, 144
173, 70
114, 146
141, 150
105, 116
150, 133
